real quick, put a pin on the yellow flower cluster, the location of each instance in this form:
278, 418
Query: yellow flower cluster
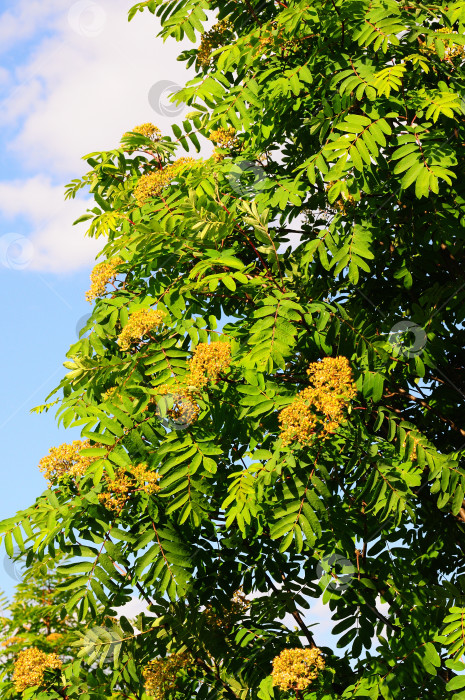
12, 640
30, 666
139, 324
207, 363
112, 394
345, 202
147, 479
225, 138
217, 155
296, 669
148, 130
152, 185
66, 461
318, 410
160, 674
54, 637
238, 606
182, 408
118, 492
451, 50
211, 40
265, 41
101, 275
273, 42
141, 478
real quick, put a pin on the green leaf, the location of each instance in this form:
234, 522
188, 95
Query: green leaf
80, 568
456, 683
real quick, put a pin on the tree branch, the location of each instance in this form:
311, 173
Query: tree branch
380, 616
296, 615
425, 404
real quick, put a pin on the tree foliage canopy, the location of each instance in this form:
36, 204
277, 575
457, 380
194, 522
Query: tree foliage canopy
270, 388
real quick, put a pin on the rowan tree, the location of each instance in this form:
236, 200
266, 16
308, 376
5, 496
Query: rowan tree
270, 386
33, 622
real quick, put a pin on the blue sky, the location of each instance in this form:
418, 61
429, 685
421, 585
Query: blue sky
64, 91
40, 312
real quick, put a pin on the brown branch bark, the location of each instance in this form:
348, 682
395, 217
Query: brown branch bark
380, 616
461, 514
425, 404
296, 615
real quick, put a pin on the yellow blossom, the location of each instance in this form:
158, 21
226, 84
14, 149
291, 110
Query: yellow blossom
345, 202
30, 666
237, 607
12, 640
225, 138
152, 184
217, 156
181, 408
54, 637
296, 669
112, 394
147, 479
66, 461
318, 410
118, 492
160, 674
148, 130
139, 324
140, 478
211, 40
207, 363
451, 50
101, 275
273, 41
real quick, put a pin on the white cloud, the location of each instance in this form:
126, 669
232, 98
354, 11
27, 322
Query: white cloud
53, 244
133, 609
84, 83
80, 92
23, 20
